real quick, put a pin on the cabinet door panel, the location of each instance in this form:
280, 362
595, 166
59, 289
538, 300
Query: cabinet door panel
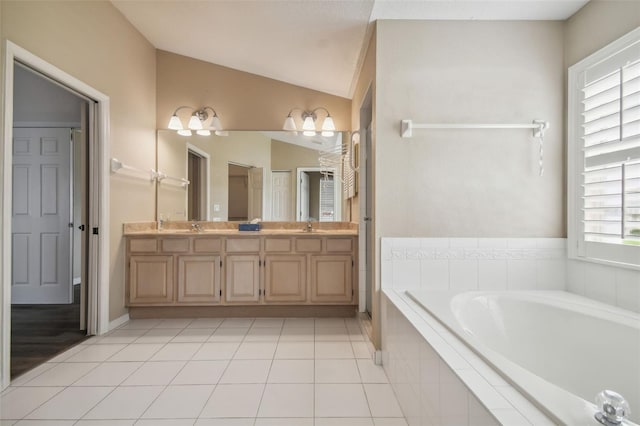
243, 278
331, 279
285, 278
199, 279
150, 280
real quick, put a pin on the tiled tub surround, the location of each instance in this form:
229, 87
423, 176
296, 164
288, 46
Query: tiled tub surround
474, 263
210, 372
424, 386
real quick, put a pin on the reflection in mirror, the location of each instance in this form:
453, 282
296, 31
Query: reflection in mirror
251, 174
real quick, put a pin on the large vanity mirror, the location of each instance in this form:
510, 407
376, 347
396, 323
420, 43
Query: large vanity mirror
246, 175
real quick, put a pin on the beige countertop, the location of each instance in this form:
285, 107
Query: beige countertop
231, 229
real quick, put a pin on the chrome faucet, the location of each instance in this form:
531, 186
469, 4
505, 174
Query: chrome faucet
196, 227
613, 408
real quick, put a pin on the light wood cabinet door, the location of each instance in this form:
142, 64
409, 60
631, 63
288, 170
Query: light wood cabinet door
243, 278
331, 279
199, 279
150, 280
285, 278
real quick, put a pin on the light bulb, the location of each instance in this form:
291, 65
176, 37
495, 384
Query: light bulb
195, 123
203, 132
175, 123
184, 132
289, 124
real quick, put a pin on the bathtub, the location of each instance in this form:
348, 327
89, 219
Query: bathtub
557, 348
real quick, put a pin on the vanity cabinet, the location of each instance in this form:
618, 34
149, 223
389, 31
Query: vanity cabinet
243, 278
150, 279
285, 278
225, 269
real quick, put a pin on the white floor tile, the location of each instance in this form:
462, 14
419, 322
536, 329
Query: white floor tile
96, 353
154, 373
337, 371
210, 323
299, 322
287, 400
158, 335
32, 374
165, 422
370, 372
216, 351
332, 334
71, 403
284, 422
237, 322
262, 334
297, 335
21, 401
268, 322
174, 323
247, 421
125, 402
330, 323
340, 400
63, 374
256, 350
342, 421
334, 350
363, 350
234, 401
136, 352
108, 374
225, 334
176, 352
45, 423
291, 371
67, 354
110, 422
121, 336
295, 350
246, 371
389, 422
382, 400
177, 402
144, 324
200, 373
7, 422
192, 335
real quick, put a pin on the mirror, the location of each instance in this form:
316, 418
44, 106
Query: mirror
244, 175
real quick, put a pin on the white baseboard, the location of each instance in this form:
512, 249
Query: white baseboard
118, 322
77, 281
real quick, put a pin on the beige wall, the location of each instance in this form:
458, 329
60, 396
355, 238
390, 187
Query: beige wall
93, 42
243, 101
597, 24
469, 183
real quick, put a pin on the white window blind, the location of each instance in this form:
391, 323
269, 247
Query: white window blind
611, 147
604, 154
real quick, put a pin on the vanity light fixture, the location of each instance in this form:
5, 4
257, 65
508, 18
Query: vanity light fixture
198, 117
309, 122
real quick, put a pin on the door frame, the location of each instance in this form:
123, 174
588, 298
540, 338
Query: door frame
98, 285
337, 193
207, 157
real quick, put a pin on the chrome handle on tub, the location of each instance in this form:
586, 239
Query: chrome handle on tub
613, 408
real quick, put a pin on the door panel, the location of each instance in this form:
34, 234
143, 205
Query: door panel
41, 216
256, 186
281, 196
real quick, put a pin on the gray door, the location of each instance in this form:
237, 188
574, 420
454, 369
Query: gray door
41, 216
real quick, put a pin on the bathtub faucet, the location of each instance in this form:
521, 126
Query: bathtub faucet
613, 408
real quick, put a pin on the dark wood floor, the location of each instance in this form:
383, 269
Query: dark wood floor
40, 332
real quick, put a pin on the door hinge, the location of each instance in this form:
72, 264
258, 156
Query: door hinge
220, 292
352, 292
352, 263
81, 227
95, 231
221, 263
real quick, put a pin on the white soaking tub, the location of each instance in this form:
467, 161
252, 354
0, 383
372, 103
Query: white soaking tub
559, 349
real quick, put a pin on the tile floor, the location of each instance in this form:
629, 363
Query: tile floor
210, 372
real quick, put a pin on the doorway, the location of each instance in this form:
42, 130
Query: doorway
317, 195
49, 208
366, 239
92, 193
198, 172
281, 200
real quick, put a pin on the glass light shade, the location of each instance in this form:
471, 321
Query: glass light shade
289, 124
327, 133
215, 123
203, 132
195, 123
184, 132
175, 123
328, 125
308, 124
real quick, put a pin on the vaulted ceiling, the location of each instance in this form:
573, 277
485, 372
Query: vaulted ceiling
318, 44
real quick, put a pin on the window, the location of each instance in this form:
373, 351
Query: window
604, 154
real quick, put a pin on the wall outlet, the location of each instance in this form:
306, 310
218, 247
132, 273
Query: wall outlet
216, 207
